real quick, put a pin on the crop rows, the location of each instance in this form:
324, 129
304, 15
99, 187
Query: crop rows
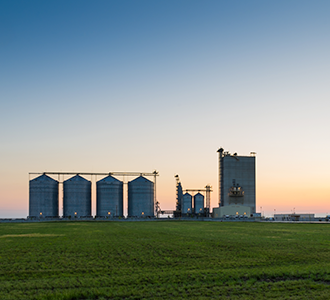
157, 260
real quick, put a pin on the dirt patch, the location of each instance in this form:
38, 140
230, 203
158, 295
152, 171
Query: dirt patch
31, 235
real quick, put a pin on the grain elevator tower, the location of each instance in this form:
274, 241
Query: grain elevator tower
237, 179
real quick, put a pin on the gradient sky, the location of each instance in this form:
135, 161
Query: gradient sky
99, 86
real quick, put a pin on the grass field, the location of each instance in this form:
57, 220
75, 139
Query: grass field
163, 260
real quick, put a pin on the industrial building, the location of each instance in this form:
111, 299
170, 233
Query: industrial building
179, 194
77, 197
141, 198
109, 197
237, 211
198, 203
237, 184
191, 202
186, 205
43, 197
294, 217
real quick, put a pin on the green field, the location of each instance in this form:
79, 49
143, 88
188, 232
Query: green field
162, 260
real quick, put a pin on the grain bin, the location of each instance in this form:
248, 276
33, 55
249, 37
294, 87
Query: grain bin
77, 200
109, 197
140, 197
43, 197
186, 204
199, 203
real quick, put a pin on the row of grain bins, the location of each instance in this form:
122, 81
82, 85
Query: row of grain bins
77, 199
187, 201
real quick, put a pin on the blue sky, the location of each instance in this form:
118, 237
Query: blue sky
143, 85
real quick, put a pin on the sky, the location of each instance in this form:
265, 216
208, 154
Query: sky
138, 86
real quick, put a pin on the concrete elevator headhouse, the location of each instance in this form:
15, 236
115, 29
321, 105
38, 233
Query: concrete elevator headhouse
237, 180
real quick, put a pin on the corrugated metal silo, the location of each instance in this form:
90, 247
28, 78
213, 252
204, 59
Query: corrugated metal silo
43, 197
186, 207
77, 201
109, 197
140, 197
199, 203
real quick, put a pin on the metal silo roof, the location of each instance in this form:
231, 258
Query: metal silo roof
109, 179
141, 179
77, 178
199, 194
43, 177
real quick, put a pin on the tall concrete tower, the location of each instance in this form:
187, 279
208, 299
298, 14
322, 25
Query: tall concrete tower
237, 179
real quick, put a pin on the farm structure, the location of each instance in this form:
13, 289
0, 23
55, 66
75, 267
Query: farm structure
237, 181
77, 197
141, 197
190, 202
110, 197
44, 195
186, 204
232, 211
